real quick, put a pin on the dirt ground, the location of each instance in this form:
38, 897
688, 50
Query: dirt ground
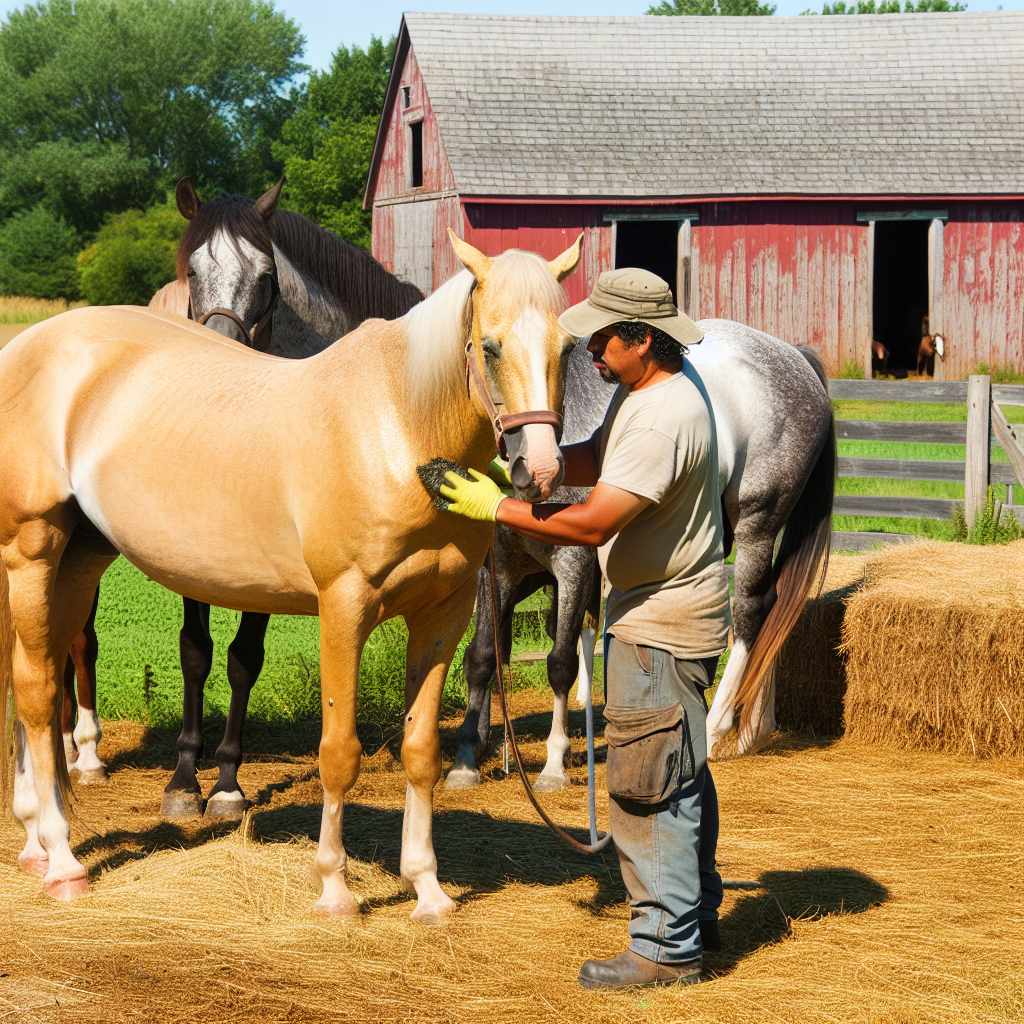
864, 886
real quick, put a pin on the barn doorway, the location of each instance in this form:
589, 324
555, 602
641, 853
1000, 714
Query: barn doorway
900, 290
649, 244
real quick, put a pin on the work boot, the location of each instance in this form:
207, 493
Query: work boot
710, 936
631, 970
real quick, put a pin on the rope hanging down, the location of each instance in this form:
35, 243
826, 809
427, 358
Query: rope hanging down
597, 842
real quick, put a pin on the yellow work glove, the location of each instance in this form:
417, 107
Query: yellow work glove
478, 498
497, 470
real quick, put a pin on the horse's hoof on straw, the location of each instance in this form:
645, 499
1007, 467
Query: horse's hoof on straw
345, 908
34, 865
225, 807
180, 803
91, 777
67, 889
462, 778
435, 914
549, 783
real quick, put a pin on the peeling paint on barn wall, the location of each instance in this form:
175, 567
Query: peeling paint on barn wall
981, 316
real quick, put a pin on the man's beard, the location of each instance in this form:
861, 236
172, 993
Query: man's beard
608, 376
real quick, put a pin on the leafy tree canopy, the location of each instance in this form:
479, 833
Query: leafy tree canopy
37, 255
710, 7
327, 144
132, 256
890, 7
103, 102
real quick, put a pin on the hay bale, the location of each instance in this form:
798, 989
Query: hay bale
810, 676
934, 645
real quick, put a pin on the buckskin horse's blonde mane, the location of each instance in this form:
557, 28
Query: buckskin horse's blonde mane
438, 328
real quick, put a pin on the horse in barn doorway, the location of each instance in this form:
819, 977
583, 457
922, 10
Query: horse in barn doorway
276, 281
121, 426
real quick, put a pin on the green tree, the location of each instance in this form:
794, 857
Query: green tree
710, 7
890, 7
327, 144
105, 102
132, 257
37, 256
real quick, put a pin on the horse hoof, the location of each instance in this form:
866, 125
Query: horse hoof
435, 913
37, 866
225, 807
549, 783
181, 803
343, 908
91, 776
462, 778
67, 889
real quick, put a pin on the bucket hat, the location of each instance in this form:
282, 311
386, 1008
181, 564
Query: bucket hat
629, 293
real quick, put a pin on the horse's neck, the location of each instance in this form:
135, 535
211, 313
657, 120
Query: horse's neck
308, 317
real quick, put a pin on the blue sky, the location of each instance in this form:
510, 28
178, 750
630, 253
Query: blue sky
327, 25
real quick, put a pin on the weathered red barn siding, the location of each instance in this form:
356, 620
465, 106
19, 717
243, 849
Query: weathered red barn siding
409, 236
981, 309
799, 271
547, 230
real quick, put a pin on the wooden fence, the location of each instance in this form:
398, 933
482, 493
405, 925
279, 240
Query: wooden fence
986, 426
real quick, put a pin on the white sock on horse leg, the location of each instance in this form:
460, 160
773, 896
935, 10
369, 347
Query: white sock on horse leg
585, 679
87, 735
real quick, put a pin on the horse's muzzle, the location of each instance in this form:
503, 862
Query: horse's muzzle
535, 461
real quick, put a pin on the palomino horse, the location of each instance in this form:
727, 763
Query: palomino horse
134, 432
276, 281
777, 459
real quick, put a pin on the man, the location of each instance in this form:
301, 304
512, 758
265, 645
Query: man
655, 515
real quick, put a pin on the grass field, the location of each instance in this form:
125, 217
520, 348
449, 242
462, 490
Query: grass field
20, 309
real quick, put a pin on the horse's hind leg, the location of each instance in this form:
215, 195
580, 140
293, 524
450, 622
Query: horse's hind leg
182, 796
245, 660
84, 650
433, 636
752, 600
67, 712
51, 588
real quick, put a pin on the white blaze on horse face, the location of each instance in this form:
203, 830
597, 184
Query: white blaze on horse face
230, 274
543, 458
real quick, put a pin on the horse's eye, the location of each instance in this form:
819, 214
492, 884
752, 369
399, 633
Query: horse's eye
491, 348
191, 272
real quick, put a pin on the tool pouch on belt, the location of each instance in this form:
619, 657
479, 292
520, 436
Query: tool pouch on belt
649, 752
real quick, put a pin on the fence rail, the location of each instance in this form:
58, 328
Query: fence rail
984, 429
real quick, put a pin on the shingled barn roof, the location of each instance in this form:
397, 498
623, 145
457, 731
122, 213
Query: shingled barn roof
666, 106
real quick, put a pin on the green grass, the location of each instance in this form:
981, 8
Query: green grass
923, 412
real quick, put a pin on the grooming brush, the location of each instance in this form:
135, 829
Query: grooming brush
431, 475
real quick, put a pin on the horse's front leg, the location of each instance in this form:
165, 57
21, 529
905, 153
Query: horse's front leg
245, 661
84, 651
434, 634
183, 797
348, 612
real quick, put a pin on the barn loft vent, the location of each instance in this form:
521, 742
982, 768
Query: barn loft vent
416, 154
406, 96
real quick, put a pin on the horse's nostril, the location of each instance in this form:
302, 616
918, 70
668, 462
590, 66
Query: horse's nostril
521, 475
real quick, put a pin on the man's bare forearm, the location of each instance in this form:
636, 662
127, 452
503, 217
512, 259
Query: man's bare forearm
556, 524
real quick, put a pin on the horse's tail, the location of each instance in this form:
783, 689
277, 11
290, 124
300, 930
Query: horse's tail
800, 564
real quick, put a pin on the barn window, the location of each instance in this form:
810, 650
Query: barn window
406, 96
416, 154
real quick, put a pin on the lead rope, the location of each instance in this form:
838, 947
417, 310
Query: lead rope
597, 842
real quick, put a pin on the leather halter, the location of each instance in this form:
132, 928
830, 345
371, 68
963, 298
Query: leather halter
501, 423
262, 322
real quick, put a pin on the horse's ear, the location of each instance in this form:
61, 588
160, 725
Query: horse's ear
267, 203
470, 257
562, 266
187, 198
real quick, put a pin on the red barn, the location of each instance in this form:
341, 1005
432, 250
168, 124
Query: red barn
831, 180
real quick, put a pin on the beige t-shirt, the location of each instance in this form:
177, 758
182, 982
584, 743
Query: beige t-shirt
668, 584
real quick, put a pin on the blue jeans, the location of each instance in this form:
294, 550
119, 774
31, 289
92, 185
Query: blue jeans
667, 849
